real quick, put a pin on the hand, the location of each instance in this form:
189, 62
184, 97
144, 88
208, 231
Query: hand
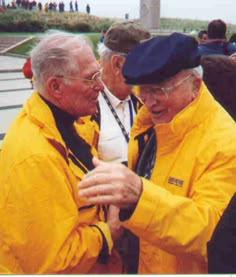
111, 184
233, 56
114, 223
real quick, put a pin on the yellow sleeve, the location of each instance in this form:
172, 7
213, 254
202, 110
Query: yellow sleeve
41, 223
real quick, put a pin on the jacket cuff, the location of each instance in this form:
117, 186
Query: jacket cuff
125, 214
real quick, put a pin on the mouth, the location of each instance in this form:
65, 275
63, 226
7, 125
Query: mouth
94, 100
158, 113
94, 97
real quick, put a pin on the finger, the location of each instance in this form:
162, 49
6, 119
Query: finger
95, 179
98, 162
104, 189
113, 211
99, 167
105, 168
103, 200
94, 172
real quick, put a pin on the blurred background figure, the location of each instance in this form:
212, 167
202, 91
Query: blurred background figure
219, 73
76, 6
232, 39
103, 32
217, 43
202, 36
71, 7
88, 9
221, 247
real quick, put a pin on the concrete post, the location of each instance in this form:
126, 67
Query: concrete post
150, 14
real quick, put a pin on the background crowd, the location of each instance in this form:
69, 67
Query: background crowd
46, 7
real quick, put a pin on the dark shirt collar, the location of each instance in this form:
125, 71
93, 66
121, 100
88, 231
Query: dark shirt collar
60, 115
78, 146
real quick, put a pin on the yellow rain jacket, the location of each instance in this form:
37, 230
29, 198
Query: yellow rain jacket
193, 179
45, 226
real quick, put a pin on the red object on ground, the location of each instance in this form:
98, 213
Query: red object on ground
26, 69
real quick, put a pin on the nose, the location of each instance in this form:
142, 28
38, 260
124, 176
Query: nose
99, 85
149, 100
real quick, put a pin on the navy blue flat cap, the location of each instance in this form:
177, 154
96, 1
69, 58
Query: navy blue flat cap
158, 59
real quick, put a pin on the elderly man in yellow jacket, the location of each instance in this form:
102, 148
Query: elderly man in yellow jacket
183, 154
45, 226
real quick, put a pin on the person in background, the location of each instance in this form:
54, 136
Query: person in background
103, 32
45, 226
88, 9
182, 160
202, 36
71, 6
219, 73
217, 43
221, 247
232, 39
76, 6
117, 103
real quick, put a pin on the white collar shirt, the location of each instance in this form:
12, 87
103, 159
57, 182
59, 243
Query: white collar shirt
112, 145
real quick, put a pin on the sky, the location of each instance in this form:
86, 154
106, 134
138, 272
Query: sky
192, 9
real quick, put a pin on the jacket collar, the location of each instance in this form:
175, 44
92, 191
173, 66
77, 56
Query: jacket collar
40, 114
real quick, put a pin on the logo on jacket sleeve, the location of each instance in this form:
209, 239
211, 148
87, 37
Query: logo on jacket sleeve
175, 181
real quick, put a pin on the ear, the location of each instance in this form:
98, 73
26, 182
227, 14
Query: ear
196, 86
54, 86
117, 63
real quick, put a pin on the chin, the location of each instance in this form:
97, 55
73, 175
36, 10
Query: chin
93, 111
90, 112
159, 120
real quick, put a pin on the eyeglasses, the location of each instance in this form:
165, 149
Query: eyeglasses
87, 81
161, 91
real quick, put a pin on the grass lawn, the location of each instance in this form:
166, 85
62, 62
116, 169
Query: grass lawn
26, 47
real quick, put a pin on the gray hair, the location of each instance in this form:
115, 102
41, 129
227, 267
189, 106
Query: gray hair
55, 55
105, 53
199, 70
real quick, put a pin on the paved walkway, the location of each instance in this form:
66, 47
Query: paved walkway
11, 63
14, 87
14, 90
9, 42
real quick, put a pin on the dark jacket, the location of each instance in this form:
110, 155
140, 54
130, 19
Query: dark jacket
217, 48
220, 77
221, 247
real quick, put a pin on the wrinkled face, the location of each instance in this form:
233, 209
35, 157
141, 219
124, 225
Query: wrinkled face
78, 93
113, 77
168, 98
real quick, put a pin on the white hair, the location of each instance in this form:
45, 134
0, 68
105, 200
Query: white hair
199, 70
55, 55
105, 53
